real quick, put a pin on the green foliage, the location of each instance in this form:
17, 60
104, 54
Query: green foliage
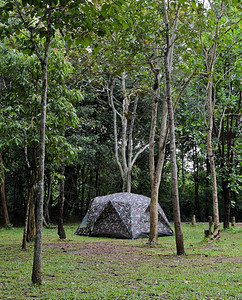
93, 42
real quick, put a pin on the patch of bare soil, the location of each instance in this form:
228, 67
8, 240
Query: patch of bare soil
117, 249
137, 253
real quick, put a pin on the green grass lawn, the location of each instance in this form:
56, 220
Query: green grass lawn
101, 268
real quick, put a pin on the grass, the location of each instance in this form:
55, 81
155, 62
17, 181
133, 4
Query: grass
102, 268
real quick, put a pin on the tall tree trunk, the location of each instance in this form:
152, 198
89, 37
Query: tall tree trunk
210, 59
168, 57
175, 195
211, 156
60, 222
155, 169
226, 169
207, 213
29, 222
3, 194
153, 235
196, 180
36, 271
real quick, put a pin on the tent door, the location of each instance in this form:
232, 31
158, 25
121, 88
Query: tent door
110, 224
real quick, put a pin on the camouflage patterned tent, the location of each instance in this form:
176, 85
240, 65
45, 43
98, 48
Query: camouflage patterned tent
121, 215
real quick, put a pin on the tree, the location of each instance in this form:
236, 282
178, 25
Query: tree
227, 114
168, 59
151, 38
31, 17
210, 56
218, 23
127, 116
37, 21
61, 230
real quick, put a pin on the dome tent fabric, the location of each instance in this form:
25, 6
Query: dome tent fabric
122, 215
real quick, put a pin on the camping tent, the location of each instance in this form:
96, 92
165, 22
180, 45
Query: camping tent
122, 215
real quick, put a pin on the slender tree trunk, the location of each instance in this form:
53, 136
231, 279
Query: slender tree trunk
36, 272
129, 181
124, 133
156, 168
211, 156
196, 181
154, 173
207, 188
153, 236
26, 221
210, 59
175, 195
168, 58
3, 194
29, 222
60, 222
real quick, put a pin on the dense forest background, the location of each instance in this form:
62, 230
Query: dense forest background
101, 70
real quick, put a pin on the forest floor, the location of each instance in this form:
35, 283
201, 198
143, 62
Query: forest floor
103, 268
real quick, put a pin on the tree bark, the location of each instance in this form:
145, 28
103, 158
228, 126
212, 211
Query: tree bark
3, 194
60, 222
207, 188
211, 157
153, 236
155, 169
36, 271
168, 57
196, 181
210, 59
47, 201
29, 222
